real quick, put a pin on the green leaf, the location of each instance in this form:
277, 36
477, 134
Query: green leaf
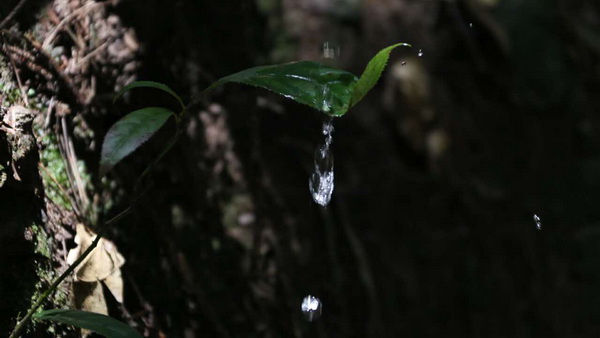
101, 324
150, 84
327, 89
129, 133
311, 83
372, 72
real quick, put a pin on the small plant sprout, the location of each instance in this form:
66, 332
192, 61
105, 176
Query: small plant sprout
329, 90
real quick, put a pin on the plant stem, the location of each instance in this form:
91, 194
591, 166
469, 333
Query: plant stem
64, 275
165, 150
23, 322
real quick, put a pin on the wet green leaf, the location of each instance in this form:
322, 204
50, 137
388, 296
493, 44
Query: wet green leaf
326, 89
372, 72
311, 83
101, 324
129, 133
150, 84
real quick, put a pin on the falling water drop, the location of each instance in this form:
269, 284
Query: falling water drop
420, 53
330, 50
327, 129
403, 63
470, 24
327, 97
312, 307
321, 187
538, 221
320, 182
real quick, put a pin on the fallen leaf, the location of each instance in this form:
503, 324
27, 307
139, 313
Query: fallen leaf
89, 296
114, 283
102, 265
102, 262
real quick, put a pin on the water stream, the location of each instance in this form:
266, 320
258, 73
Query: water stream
321, 180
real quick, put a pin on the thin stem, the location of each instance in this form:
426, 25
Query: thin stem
160, 156
23, 322
21, 325
12, 13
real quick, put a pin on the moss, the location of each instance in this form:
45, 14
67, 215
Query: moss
9, 92
10, 95
37, 246
32, 269
45, 275
54, 173
58, 300
54, 176
41, 240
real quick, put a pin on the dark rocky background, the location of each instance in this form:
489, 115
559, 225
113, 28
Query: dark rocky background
430, 231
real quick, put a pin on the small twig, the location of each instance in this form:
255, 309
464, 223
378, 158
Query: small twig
12, 13
43, 64
62, 190
49, 113
23, 94
15, 172
64, 157
67, 150
96, 50
80, 10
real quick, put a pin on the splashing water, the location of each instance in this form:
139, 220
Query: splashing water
312, 307
420, 53
327, 97
321, 180
538, 221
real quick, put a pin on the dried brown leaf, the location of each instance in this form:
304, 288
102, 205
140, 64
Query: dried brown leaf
103, 264
103, 261
114, 283
89, 297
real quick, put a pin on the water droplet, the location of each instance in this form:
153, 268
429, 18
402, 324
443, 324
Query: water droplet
321, 187
471, 24
327, 97
320, 182
538, 221
312, 307
420, 53
403, 63
330, 50
327, 129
